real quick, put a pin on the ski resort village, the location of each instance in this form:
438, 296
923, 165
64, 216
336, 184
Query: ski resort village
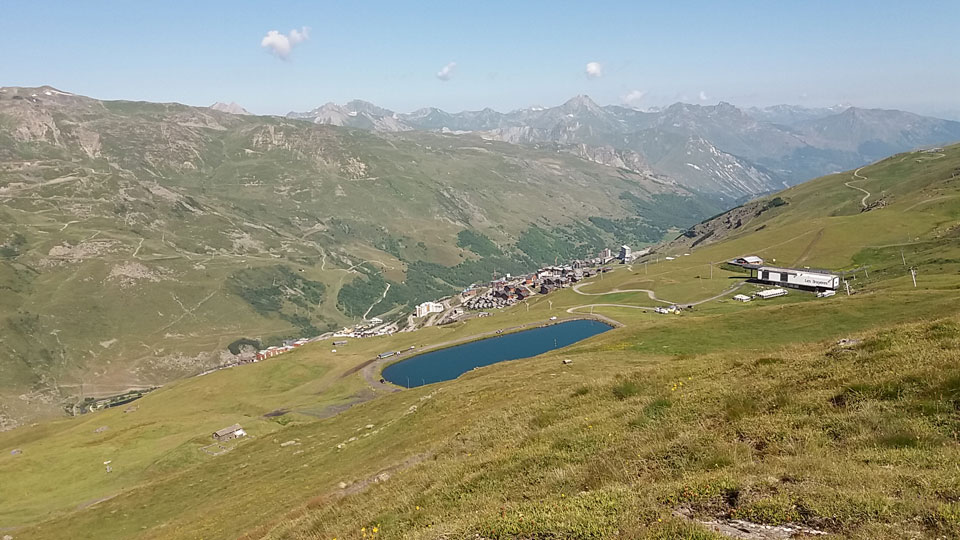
477, 300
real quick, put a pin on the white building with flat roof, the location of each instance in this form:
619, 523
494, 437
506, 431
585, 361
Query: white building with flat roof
771, 293
626, 254
798, 278
427, 308
751, 260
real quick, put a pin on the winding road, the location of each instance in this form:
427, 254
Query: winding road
651, 294
857, 178
574, 310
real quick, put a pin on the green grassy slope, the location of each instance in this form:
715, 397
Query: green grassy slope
609, 433
729, 410
919, 190
137, 240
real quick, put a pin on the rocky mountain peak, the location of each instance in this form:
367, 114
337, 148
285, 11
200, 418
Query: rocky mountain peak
424, 112
231, 108
361, 106
726, 107
581, 103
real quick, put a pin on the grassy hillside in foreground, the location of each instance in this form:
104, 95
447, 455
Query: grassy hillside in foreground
729, 410
850, 441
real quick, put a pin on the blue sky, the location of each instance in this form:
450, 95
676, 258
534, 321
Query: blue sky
507, 54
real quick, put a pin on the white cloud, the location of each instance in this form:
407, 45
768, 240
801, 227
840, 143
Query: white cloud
594, 70
633, 97
446, 72
297, 36
281, 44
704, 96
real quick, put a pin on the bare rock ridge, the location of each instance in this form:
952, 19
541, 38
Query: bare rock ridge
231, 108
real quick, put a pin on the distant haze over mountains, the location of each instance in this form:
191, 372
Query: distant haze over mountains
719, 149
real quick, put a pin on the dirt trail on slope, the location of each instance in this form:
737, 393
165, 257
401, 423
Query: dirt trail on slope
935, 199
697, 303
382, 296
22, 187
651, 294
806, 252
857, 178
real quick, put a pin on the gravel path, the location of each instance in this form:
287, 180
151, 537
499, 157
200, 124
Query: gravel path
858, 177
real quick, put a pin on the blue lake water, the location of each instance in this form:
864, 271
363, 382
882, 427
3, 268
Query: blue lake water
450, 363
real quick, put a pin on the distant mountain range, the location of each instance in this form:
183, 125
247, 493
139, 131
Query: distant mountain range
720, 150
789, 115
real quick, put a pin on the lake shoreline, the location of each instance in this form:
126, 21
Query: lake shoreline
536, 349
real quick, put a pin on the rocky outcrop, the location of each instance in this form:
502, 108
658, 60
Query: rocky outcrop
727, 224
612, 157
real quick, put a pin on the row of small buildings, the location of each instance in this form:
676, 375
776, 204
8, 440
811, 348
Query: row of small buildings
287, 346
508, 290
369, 328
626, 255
545, 280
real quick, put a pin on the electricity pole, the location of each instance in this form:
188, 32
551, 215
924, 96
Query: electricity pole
913, 274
